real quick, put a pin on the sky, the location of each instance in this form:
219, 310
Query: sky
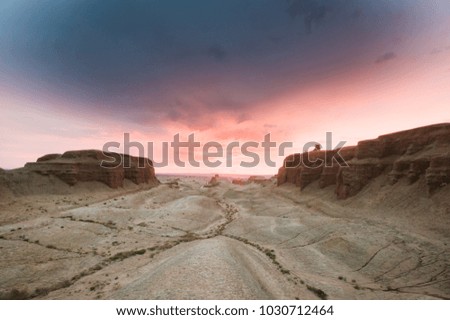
77, 74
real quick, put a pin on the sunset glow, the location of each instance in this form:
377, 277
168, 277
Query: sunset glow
74, 75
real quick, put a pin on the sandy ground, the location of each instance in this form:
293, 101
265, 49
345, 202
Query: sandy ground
181, 240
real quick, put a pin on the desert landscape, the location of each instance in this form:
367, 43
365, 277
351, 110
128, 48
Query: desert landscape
378, 228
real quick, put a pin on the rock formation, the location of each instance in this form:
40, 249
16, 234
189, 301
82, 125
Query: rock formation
239, 182
253, 179
94, 165
213, 182
411, 154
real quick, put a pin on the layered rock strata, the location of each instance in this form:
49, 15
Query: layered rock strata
94, 165
411, 154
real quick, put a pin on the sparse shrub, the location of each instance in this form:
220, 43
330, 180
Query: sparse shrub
41, 291
97, 267
166, 246
189, 236
318, 292
285, 271
123, 255
118, 256
270, 254
61, 285
15, 294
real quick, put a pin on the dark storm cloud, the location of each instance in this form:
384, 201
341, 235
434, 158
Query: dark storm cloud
386, 57
152, 60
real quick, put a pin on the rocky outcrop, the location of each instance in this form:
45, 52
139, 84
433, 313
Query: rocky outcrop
239, 182
411, 154
213, 182
253, 179
94, 165
259, 180
303, 169
438, 173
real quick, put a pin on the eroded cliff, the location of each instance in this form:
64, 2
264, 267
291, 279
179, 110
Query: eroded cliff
411, 154
94, 165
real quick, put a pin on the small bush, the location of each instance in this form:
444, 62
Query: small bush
270, 254
123, 255
41, 291
15, 294
140, 252
322, 295
97, 267
285, 271
110, 224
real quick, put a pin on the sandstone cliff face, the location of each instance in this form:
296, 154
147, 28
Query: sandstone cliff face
406, 155
94, 165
